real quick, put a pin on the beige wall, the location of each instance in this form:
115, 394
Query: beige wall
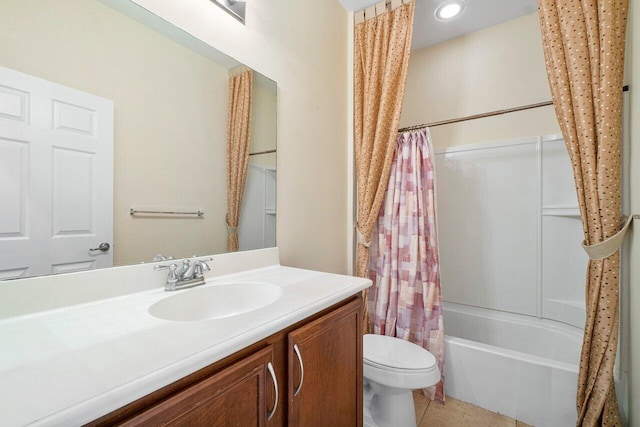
492, 69
302, 45
170, 116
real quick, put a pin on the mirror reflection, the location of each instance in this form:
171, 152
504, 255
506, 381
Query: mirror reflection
104, 109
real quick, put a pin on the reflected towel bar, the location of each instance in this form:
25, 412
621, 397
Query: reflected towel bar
133, 211
262, 152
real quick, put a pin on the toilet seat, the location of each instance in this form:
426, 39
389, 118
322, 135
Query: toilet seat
396, 355
400, 370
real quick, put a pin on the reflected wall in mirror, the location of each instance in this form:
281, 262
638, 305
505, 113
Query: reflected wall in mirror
168, 92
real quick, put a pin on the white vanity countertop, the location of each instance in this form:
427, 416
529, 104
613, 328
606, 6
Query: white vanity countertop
70, 365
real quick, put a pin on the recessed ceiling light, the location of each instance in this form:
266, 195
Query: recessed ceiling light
449, 10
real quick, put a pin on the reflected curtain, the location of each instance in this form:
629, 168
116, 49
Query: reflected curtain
238, 140
584, 53
382, 45
405, 300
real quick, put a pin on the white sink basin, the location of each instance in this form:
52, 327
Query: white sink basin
216, 301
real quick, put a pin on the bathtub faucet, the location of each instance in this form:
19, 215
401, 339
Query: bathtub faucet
187, 275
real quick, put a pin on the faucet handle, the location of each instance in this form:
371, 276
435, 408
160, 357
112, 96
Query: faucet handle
172, 277
171, 267
201, 267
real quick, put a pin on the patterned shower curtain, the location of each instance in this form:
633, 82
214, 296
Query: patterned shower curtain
584, 48
404, 266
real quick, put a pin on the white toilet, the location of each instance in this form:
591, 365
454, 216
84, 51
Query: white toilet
392, 369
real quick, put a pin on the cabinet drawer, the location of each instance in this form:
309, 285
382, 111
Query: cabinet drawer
235, 396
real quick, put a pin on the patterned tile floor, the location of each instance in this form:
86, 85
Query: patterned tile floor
455, 413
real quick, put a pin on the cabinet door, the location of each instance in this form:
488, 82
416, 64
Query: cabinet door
234, 396
325, 370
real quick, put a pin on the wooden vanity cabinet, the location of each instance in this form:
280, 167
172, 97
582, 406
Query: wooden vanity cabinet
318, 368
325, 370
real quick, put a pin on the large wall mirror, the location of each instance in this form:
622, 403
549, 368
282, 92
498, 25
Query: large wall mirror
113, 129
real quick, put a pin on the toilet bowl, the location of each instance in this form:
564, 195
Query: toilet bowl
392, 369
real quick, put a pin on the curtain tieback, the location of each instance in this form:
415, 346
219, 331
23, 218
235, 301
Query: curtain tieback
361, 239
230, 229
609, 246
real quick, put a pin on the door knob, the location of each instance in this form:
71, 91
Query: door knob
104, 247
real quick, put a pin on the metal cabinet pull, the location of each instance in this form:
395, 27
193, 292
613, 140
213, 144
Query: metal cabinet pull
275, 385
104, 247
297, 351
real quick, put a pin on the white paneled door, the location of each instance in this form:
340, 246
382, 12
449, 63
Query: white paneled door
56, 178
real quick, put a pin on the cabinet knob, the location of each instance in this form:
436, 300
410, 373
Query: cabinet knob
297, 351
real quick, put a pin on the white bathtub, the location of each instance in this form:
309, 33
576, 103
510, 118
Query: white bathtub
522, 367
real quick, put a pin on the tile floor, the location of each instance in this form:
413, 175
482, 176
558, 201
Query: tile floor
455, 413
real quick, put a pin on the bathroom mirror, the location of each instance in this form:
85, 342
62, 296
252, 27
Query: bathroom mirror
168, 95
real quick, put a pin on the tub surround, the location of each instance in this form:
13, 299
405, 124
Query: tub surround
82, 345
487, 347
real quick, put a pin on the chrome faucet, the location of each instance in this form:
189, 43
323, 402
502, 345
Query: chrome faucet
187, 275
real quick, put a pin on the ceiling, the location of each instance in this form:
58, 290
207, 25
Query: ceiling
477, 14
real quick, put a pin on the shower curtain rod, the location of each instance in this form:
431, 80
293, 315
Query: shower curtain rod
483, 115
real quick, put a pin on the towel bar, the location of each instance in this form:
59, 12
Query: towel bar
133, 211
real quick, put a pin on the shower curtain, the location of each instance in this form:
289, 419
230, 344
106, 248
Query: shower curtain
381, 61
405, 300
584, 47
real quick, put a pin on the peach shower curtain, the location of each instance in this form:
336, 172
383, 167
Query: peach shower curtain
238, 139
584, 51
382, 46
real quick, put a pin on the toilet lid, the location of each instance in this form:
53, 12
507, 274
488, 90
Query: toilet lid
394, 353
